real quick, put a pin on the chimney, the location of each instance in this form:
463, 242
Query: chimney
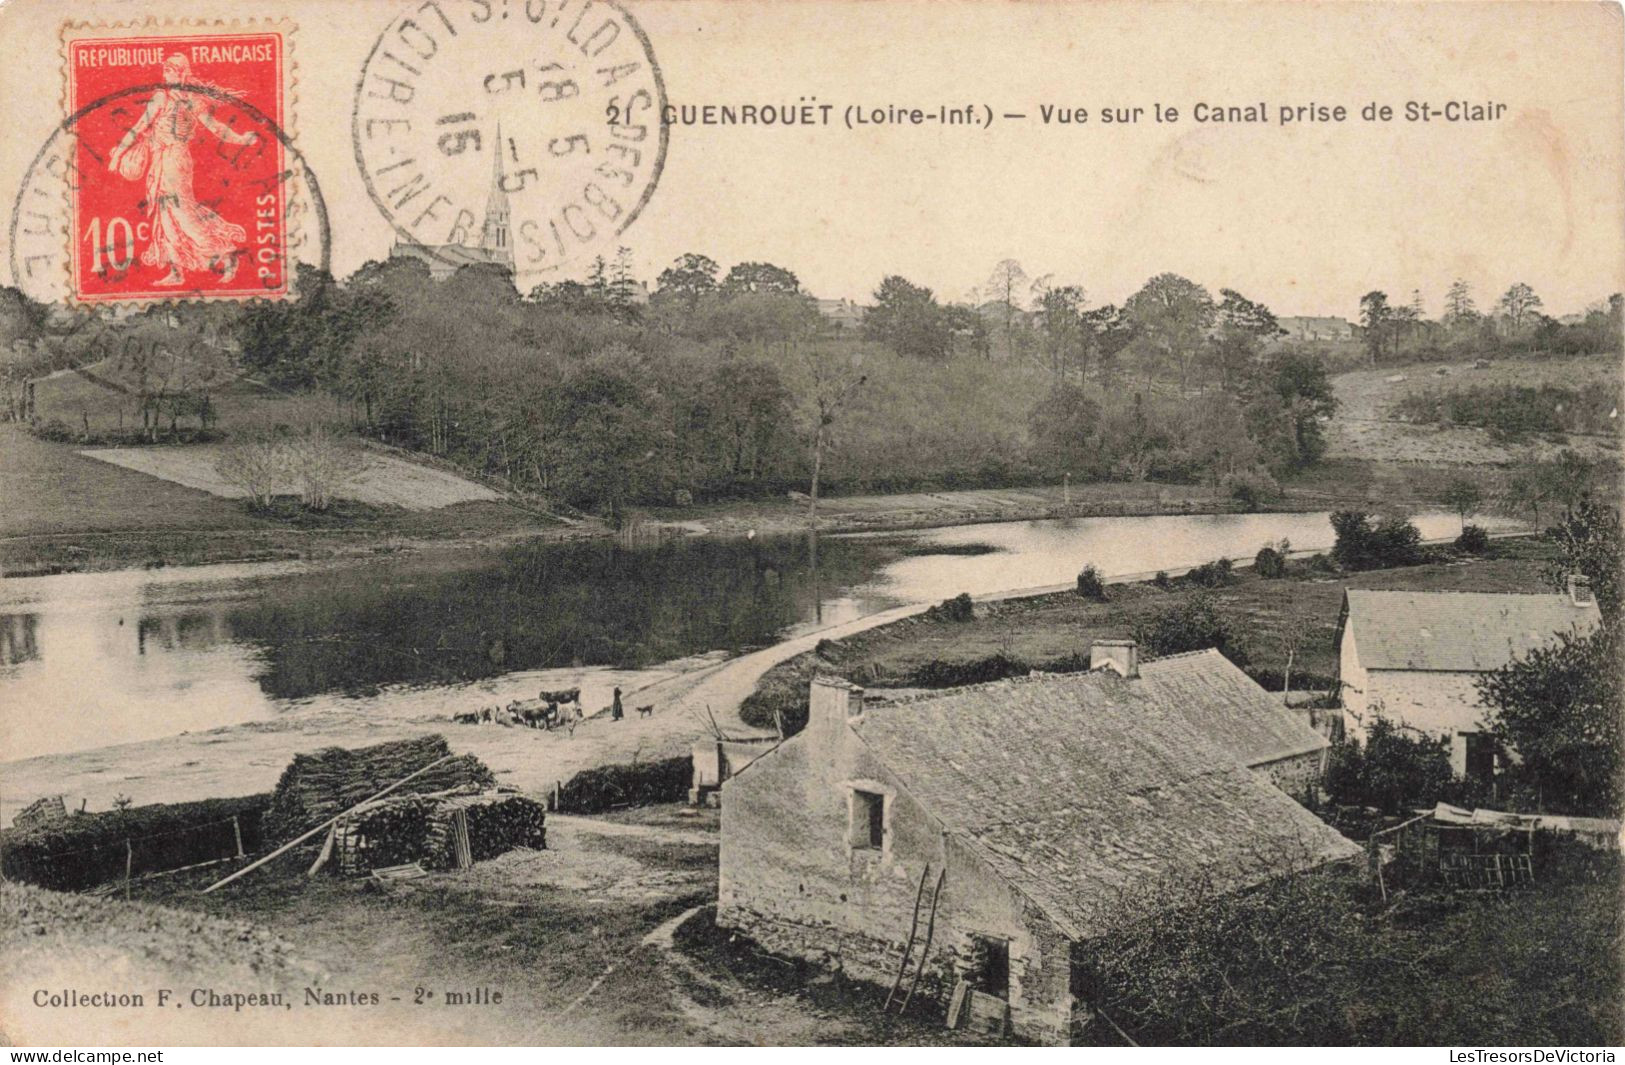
1121, 655
831, 703
1580, 590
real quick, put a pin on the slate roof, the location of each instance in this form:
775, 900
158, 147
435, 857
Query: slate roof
1081, 789
1221, 702
1462, 632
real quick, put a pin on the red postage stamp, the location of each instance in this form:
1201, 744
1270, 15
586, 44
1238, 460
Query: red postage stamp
179, 180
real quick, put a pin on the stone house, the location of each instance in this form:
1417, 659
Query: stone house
1047, 805
1415, 657
1312, 328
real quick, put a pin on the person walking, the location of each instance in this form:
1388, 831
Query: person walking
616, 711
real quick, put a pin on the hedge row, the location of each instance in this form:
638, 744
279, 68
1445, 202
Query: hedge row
89, 849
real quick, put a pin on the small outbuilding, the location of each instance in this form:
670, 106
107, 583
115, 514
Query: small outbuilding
1415, 658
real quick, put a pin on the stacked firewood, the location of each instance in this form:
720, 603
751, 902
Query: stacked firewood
388, 832
420, 828
318, 786
497, 823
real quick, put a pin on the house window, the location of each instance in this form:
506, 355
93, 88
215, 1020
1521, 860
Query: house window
1479, 756
868, 820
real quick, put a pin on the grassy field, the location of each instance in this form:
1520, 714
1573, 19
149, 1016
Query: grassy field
60, 510
1054, 631
1367, 428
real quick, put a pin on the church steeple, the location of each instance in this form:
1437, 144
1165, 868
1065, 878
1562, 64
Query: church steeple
494, 237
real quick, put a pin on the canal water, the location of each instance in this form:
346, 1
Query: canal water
91, 660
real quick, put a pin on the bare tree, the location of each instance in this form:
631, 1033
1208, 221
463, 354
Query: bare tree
322, 463
256, 465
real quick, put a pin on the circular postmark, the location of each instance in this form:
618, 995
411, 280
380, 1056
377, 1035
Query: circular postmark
524, 133
84, 229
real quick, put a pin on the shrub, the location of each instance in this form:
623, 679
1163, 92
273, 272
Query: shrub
1191, 625
1393, 770
958, 609
1215, 574
1091, 585
1253, 490
1473, 540
1364, 542
55, 430
1269, 563
940, 674
1161, 580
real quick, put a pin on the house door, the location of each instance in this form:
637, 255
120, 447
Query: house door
990, 966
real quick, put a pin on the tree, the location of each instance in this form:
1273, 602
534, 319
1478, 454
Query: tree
1526, 487
1287, 399
605, 433
1588, 543
691, 278
1108, 331
1244, 326
1375, 319
1559, 708
966, 324
1060, 313
1065, 426
1366, 543
1008, 279
1458, 303
1217, 439
256, 465
1172, 315
1518, 305
1191, 625
321, 464
621, 293
907, 318
759, 277
1464, 497
1570, 476
834, 383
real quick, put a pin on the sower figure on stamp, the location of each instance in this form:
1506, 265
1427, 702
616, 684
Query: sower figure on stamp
186, 235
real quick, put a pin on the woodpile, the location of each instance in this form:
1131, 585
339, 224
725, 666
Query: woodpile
318, 786
444, 831
495, 824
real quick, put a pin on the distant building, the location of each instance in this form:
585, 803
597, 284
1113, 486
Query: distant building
1415, 657
842, 314
1316, 328
1026, 816
495, 246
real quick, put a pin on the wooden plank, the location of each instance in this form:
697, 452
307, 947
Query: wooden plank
327, 852
291, 844
956, 1004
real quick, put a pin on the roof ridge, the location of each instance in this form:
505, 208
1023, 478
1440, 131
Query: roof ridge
1454, 591
1183, 654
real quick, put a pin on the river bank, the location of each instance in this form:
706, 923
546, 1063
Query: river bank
65, 513
1283, 630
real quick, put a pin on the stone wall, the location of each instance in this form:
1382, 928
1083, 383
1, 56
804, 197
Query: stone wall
1295, 775
791, 879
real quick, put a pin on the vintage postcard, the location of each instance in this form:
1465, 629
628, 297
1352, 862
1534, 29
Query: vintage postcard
846, 522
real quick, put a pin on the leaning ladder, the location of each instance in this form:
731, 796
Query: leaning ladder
913, 936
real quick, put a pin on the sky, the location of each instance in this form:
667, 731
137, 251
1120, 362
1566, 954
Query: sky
1305, 217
